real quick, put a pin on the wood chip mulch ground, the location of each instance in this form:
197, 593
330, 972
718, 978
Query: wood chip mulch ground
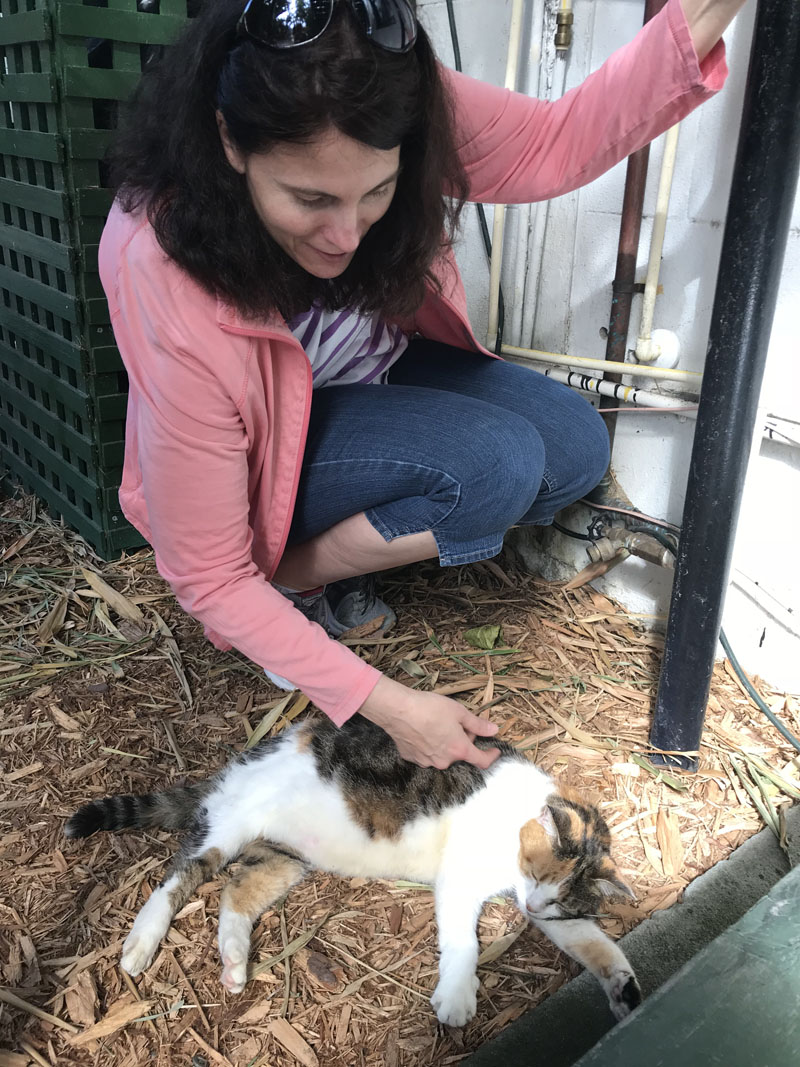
107, 687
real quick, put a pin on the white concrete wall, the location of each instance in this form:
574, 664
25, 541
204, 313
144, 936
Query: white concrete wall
651, 453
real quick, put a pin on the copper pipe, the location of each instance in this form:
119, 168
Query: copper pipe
625, 277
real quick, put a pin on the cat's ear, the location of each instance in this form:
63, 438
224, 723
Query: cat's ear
538, 838
547, 822
611, 884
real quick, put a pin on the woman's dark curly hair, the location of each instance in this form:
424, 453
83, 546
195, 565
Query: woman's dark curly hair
168, 157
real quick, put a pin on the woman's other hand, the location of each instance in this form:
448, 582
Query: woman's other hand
429, 729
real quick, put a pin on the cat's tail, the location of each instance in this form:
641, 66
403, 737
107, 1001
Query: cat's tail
175, 809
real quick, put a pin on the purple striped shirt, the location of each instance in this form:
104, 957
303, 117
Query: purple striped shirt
345, 347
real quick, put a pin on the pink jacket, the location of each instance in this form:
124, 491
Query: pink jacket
218, 406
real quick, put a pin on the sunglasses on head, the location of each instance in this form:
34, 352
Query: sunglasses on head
389, 24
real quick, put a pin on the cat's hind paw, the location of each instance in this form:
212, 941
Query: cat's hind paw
234, 974
234, 948
456, 1003
624, 993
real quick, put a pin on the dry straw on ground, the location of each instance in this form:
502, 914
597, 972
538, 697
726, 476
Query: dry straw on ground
105, 687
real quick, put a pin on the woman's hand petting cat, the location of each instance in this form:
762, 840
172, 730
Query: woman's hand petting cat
429, 729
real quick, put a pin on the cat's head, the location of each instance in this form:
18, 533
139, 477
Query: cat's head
565, 863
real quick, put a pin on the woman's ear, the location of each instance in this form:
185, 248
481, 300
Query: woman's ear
234, 155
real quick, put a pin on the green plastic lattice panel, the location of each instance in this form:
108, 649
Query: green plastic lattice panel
65, 68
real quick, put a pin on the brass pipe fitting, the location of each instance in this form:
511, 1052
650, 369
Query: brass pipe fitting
564, 20
637, 544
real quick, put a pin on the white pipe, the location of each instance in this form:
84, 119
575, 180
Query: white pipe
766, 600
785, 431
526, 212
541, 221
552, 79
496, 263
691, 380
627, 393
646, 349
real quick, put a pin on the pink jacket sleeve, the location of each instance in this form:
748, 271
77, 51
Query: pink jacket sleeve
517, 149
193, 459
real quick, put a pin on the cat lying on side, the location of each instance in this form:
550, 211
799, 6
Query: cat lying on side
342, 800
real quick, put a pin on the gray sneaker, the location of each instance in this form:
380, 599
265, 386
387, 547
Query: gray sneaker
316, 607
354, 603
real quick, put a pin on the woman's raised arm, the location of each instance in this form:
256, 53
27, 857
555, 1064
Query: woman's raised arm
707, 21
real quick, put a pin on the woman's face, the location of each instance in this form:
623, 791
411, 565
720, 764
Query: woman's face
317, 200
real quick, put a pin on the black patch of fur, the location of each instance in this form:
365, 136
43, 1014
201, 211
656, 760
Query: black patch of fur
595, 840
198, 832
261, 749
631, 993
172, 810
364, 758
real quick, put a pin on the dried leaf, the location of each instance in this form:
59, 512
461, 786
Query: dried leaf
660, 775
364, 629
23, 772
328, 974
294, 946
286, 1035
498, 947
65, 721
653, 855
13, 1059
174, 657
259, 1011
395, 919
269, 720
120, 1014
54, 621
668, 835
16, 546
123, 607
81, 1000
412, 668
595, 570
485, 637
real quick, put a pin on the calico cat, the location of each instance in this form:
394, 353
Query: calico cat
342, 800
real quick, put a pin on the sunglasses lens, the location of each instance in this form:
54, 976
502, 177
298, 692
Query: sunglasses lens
283, 24
390, 24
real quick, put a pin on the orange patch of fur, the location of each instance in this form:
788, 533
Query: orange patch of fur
304, 736
378, 815
568, 793
536, 858
595, 956
252, 889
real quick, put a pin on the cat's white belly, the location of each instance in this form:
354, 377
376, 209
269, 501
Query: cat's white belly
295, 808
328, 839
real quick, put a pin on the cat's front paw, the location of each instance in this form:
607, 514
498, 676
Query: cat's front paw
455, 1003
137, 952
624, 993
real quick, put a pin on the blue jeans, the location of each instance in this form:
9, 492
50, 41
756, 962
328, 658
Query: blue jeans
456, 443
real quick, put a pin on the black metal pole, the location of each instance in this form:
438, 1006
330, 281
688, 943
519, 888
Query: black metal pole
756, 228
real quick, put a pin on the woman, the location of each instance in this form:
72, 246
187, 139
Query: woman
308, 403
